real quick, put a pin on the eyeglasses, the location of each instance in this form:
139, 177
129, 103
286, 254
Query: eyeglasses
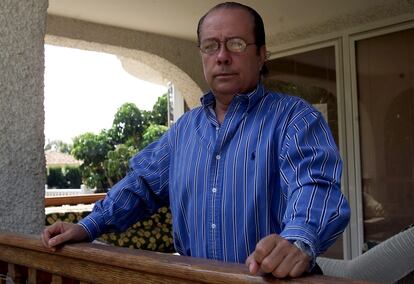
235, 44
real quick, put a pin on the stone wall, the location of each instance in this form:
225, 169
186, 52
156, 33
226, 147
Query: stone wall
22, 161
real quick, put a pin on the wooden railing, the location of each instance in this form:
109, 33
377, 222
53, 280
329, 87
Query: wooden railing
24, 260
73, 199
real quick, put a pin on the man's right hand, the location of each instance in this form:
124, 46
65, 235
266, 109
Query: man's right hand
62, 232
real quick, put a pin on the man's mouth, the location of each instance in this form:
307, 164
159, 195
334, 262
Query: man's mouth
224, 75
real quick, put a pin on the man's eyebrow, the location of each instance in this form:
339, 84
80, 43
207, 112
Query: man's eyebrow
226, 38
209, 38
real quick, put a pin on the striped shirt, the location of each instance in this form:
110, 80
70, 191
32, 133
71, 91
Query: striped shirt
272, 166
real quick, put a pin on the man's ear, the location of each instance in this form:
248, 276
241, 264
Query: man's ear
263, 55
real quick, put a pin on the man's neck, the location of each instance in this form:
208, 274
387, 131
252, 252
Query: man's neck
221, 108
223, 101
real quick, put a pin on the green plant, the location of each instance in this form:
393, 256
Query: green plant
106, 155
152, 133
55, 178
73, 178
116, 163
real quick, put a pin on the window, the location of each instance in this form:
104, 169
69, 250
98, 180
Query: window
385, 82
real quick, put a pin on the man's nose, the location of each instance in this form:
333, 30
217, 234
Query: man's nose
223, 55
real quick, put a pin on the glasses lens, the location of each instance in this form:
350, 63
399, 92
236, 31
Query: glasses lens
236, 45
209, 46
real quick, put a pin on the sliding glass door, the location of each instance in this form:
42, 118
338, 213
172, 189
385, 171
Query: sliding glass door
385, 91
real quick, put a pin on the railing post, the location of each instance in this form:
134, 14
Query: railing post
17, 273
56, 279
3, 272
32, 275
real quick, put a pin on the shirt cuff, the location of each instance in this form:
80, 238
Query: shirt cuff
91, 224
305, 248
305, 238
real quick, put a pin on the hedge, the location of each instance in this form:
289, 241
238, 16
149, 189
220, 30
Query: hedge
153, 234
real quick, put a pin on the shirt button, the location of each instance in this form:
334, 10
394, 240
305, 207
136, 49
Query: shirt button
213, 226
214, 190
218, 157
217, 128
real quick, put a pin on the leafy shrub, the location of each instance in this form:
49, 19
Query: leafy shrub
73, 177
66, 177
55, 178
153, 234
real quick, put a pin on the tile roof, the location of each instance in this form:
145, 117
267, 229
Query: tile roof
54, 158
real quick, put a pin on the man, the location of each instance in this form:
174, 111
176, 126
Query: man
250, 176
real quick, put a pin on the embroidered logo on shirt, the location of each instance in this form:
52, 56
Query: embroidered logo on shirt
253, 156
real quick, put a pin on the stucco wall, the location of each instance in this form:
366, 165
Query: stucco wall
22, 161
384, 12
176, 60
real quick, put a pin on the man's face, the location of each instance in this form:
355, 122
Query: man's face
229, 73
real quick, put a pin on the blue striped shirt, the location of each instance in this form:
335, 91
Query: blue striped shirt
272, 166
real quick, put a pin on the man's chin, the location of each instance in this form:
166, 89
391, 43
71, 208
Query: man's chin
228, 91
226, 87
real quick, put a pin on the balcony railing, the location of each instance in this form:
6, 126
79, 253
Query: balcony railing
73, 199
24, 260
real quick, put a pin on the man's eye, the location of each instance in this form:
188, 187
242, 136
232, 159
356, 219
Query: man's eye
235, 45
209, 45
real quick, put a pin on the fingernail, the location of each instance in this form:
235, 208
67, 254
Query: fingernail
51, 243
251, 267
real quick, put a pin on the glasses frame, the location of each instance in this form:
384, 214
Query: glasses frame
225, 42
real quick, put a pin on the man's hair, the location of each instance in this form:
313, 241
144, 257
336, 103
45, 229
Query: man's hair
258, 26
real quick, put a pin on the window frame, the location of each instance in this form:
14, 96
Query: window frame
344, 43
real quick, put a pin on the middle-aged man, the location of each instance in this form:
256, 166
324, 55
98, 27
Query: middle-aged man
250, 176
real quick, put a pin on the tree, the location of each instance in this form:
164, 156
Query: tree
117, 162
92, 150
105, 156
159, 111
128, 125
152, 133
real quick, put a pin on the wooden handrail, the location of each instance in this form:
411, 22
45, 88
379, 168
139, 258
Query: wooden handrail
73, 199
96, 263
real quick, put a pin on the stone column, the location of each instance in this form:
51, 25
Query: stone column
22, 161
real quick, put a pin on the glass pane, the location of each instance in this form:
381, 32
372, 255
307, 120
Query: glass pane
312, 76
385, 73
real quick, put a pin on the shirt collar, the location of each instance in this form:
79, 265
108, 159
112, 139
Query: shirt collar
251, 99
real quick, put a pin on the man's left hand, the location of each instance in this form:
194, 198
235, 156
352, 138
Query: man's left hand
276, 255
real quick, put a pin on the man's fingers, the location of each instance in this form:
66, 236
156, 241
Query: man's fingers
276, 256
264, 247
299, 268
61, 232
45, 238
286, 265
59, 239
274, 259
252, 265
48, 233
294, 264
55, 229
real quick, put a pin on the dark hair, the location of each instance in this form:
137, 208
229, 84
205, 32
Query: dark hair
258, 26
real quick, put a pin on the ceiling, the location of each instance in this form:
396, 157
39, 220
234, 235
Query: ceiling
179, 18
